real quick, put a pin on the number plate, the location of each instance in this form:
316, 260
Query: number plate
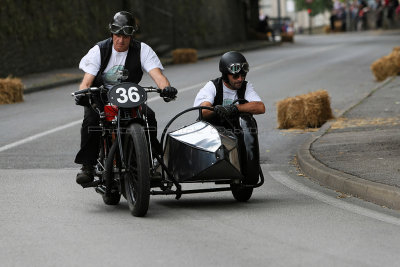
127, 95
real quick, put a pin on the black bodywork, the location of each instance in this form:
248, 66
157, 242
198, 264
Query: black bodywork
201, 152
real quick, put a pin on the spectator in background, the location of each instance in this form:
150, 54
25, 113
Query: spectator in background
354, 15
264, 27
391, 9
333, 19
378, 14
362, 16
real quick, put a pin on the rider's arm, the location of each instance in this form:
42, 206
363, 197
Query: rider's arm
159, 78
205, 112
255, 107
87, 81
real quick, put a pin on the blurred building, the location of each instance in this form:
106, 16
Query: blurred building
287, 9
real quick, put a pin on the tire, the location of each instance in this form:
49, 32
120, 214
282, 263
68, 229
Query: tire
137, 177
241, 194
114, 197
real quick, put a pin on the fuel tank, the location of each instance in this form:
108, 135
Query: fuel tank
201, 152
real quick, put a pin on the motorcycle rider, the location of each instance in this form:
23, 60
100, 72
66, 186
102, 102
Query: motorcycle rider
221, 92
100, 64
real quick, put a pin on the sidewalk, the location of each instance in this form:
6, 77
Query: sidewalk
47, 80
358, 153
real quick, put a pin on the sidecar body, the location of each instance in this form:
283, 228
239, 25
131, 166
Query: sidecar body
201, 152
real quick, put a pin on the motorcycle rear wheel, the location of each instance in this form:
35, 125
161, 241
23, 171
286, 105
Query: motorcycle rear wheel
137, 178
114, 197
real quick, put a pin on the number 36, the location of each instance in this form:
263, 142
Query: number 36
132, 95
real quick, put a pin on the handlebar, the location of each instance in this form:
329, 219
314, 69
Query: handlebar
148, 89
90, 90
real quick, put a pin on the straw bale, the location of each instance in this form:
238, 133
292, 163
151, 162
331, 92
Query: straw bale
395, 57
303, 111
387, 66
11, 90
338, 25
184, 55
287, 37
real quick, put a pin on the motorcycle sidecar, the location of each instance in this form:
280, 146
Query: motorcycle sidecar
201, 152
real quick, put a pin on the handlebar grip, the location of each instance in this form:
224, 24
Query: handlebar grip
86, 91
81, 92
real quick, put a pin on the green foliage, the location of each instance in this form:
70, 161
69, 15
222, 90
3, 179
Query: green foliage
316, 6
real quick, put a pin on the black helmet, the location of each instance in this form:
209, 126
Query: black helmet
123, 23
233, 63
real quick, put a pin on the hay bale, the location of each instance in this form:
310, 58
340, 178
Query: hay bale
184, 55
338, 25
310, 110
386, 66
287, 37
394, 56
11, 90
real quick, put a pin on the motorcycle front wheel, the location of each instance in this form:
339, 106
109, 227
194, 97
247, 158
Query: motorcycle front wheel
137, 177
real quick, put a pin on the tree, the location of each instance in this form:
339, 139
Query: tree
316, 6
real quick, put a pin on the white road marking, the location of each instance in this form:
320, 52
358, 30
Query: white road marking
36, 136
282, 178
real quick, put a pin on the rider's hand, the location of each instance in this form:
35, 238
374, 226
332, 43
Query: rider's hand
169, 93
82, 100
221, 112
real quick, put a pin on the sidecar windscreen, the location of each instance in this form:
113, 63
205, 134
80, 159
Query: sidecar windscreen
202, 152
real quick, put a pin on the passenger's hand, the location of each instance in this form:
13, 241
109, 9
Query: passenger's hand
82, 100
169, 93
221, 112
232, 110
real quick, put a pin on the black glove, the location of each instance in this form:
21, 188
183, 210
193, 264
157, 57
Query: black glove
221, 112
169, 92
82, 100
232, 110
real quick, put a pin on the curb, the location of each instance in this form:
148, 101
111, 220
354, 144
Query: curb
381, 194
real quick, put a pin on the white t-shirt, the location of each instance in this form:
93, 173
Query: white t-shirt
208, 93
91, 62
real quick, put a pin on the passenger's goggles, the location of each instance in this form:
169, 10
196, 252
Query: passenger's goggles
126, 30
238, 67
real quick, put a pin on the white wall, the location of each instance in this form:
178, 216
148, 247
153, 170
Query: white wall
301, 19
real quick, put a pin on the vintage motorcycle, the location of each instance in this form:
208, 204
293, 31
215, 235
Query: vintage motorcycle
195, 153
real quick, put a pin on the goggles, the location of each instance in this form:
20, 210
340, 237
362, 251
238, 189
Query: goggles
126, 30
235, 68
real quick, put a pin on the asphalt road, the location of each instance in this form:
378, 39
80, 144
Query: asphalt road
48, 220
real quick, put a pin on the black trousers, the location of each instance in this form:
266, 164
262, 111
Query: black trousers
90, 137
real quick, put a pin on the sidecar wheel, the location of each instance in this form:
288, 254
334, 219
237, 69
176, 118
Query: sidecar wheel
137, 178
241, 194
